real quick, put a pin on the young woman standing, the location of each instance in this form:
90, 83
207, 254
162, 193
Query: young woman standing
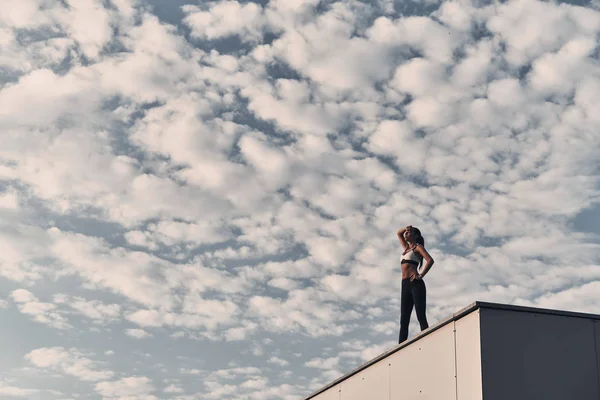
414, 292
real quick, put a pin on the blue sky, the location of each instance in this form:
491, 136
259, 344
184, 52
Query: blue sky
199, 201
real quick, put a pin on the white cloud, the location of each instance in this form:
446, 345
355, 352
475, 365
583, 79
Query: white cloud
477, 65
323, 363
93, 309
303, 309
252, 385
100, 266
173, 389
387, 328
283, 391
328, 62
347, 287
527, 40
137, 333
284, 283
7, 389
53, 176
241, 332
68, 361
226, 18
63, 95
191, 371
366, 351
133, 387
21, 246
196, 313
582, 298
171, 233
218, 391
255, 384
26, 14
45, 313
431, 112
549, 70
140, 75
293, 114
88, 22
9, 200
234, 372
437, 46
419, 77
278, 361
328, 368
270, 163
457, 15
397, 139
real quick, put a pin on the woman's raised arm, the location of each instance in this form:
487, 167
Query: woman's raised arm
400, 234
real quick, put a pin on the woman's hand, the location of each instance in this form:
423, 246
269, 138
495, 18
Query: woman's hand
400, 234
416, 277
405, 229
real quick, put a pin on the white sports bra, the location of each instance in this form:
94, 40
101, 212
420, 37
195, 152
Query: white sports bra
411, 258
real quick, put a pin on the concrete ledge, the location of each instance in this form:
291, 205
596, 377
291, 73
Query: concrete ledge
477, 305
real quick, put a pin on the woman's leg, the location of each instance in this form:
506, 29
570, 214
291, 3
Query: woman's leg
419, 292
406, 306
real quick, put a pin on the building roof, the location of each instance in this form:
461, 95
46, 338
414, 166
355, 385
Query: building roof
454, 317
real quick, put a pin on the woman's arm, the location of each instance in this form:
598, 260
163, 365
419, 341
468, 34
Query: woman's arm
400, 234
428, 259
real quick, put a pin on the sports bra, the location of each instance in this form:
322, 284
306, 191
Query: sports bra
410, 258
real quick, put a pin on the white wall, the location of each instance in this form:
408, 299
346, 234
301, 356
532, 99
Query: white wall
425, 369
468, 357
493, 352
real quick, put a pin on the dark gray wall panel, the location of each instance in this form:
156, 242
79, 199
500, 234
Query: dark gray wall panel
527, 356
597, 343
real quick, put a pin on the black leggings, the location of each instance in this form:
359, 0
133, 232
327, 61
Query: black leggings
413, 293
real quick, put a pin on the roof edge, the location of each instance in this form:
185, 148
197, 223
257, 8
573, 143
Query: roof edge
476, 305
536, 310
457, 315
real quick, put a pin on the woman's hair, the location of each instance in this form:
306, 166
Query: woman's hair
419, 238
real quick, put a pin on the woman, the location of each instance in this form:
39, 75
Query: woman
413, 286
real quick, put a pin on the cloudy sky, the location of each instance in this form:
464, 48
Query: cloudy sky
200, 201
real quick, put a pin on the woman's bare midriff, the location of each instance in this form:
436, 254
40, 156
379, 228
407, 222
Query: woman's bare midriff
408, 271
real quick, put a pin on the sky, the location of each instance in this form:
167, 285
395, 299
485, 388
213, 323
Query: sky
201, 200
